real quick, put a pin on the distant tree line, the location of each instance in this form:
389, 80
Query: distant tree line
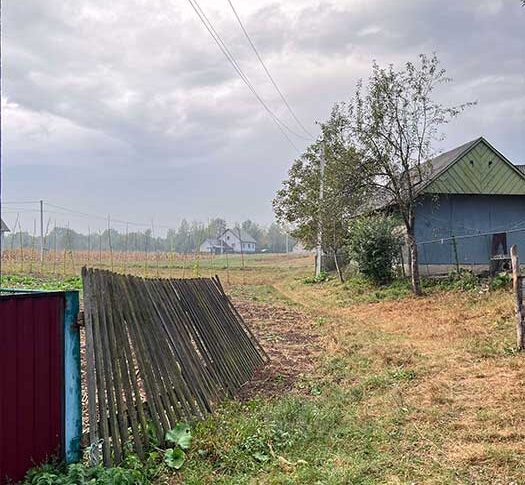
186, 238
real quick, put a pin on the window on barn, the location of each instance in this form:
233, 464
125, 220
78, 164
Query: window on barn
499, 244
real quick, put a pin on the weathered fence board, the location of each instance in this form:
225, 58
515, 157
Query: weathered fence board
517, 283
158, 351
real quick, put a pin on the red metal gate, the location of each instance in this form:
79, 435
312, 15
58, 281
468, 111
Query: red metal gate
31, 381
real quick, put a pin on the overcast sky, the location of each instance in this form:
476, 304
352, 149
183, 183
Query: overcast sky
128, 107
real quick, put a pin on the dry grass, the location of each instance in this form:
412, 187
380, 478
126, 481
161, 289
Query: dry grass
233, 269
411, 390
465, 405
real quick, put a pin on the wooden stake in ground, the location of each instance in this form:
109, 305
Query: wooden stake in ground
55, 251
109, 243
89, 248
517, 283
126, 250
21, 247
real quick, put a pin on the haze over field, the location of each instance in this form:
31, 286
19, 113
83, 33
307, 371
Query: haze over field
129, 107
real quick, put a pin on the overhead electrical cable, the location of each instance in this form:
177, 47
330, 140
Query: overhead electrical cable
105, 218
267, 71
231, 58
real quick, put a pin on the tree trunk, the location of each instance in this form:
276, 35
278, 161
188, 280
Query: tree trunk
339, 272
414, 263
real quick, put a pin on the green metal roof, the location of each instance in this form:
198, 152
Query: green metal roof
474, 168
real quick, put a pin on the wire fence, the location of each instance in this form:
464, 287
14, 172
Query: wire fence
484, 250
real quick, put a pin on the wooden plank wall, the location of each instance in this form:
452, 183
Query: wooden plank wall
158, 351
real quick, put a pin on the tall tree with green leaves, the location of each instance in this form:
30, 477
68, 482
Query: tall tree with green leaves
299, 203
395, 121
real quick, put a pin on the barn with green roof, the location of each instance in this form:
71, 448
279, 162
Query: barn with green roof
470, 210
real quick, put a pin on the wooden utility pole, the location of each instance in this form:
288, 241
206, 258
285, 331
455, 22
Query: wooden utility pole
517, 284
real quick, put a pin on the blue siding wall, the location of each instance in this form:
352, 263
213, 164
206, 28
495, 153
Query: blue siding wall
443, 216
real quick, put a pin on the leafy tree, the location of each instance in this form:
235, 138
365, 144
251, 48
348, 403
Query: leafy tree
374, 245
275, 240
216, 227
395, 121
298, 202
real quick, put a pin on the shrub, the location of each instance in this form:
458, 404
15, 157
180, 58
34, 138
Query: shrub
374, 246
311, 280
501, 280
463, 279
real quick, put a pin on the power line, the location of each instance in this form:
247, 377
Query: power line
467, 236
231, 59
21, 202
65, 211
105, 218
266, 70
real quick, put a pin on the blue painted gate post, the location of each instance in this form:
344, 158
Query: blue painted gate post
72, 384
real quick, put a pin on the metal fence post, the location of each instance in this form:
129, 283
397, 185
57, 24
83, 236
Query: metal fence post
72, 384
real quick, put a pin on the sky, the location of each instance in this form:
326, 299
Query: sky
129, 108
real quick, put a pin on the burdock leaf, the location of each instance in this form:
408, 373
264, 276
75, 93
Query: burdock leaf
174, 458
180, 435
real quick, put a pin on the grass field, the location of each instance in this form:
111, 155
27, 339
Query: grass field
366, 385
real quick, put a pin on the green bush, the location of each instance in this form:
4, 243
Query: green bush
463, 279
501, 280
132, 471
374, 246
311, 280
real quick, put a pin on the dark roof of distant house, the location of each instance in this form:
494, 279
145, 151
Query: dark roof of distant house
244, 236
520, 168
217, 243
3, 226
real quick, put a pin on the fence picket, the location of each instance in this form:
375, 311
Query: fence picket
159, 351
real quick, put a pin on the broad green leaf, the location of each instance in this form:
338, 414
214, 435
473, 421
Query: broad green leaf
180, 435
174, 458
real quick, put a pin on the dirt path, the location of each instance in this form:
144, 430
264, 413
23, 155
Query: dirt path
291, 342
467, 400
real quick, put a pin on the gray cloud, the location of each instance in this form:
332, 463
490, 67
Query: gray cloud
129, 107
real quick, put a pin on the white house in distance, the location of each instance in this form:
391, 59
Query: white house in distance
239, 240
230, 241
3, 230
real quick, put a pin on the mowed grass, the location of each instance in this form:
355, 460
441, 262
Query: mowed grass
403, 390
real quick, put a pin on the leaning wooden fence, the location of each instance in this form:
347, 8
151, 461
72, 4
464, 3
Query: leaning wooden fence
158, 351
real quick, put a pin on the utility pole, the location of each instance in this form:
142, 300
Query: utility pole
319, 249
41, 233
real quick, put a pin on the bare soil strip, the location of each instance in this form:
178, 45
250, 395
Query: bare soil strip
291, 342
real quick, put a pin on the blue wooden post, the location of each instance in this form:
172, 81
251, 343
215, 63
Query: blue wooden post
72, 385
